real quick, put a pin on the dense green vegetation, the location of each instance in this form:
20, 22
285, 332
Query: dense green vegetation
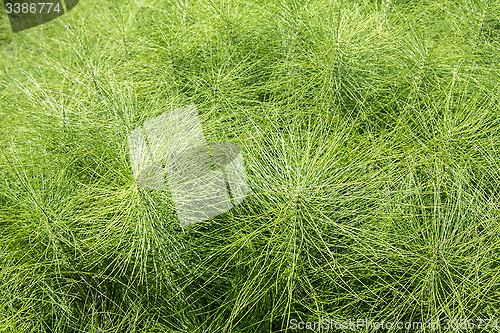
370, 132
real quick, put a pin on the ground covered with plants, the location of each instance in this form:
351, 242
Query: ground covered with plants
370, 133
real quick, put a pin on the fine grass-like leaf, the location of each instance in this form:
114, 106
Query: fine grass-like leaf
369, 133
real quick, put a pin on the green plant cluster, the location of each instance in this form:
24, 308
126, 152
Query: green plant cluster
370, 133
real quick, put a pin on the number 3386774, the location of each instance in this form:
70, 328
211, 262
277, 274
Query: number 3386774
33, 8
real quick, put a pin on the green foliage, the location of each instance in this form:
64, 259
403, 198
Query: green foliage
369, 131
